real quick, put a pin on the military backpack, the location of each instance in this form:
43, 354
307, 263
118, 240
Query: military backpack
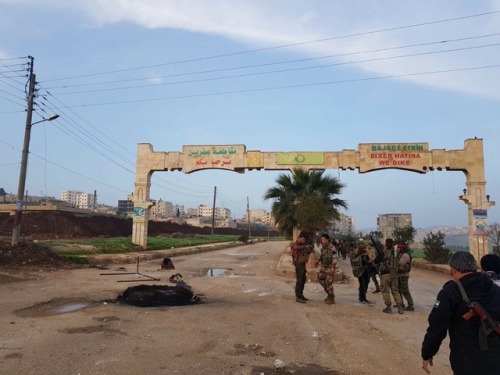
357, 266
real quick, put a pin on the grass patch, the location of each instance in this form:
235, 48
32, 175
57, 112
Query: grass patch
417, 253
121, 245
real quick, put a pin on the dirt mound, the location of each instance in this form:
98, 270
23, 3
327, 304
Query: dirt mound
64, 225
28, 255
58, 224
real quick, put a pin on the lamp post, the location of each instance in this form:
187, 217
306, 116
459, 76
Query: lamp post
16, 231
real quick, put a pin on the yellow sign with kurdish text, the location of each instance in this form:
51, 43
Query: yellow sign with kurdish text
408, 156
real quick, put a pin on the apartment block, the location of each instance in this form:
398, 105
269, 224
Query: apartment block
387, 223
79, 199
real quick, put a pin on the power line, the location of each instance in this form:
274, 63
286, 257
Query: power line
281, 62
286, 70
232, 92
282, 46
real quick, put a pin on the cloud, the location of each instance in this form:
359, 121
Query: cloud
348, 27
270, 23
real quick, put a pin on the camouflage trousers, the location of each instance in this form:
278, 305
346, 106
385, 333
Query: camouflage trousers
325, 278
388, 286
404, 289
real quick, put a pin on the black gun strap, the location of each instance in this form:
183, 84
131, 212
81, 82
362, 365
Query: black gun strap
462, 292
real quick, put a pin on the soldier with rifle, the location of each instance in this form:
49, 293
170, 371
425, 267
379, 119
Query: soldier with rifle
388, 261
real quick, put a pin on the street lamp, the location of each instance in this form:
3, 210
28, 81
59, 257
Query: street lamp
16, 231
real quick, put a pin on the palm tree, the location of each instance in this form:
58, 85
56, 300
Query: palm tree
306, 199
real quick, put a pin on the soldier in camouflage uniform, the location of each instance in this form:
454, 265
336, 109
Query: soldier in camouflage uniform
328, 261
404, 276
389, 263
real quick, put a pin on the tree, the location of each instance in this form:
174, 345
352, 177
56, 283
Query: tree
405, 235
3, 194
434, 250
494, 236
305, 199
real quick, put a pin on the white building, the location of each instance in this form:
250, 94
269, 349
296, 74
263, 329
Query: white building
178, 208
80, 200
259, 216
345, 225
220, 212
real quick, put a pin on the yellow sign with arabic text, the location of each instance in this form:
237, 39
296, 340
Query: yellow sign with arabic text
213, 157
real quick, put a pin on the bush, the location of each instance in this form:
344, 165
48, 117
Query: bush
243, 238
434, 250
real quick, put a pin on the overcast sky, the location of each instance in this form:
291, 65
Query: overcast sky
272, 75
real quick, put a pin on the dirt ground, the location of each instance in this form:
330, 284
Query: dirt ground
67, 321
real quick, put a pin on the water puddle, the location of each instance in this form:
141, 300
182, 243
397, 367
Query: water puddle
216, 272
70, 308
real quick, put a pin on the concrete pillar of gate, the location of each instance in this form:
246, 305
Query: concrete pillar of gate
470, 160
146, 164
142, 206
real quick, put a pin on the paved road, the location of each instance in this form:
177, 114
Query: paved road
63, 322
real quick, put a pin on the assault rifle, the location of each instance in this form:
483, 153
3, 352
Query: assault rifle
380, 251
488, 324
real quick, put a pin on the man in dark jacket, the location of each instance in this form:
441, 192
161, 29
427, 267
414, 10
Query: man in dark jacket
466, 356
300, 255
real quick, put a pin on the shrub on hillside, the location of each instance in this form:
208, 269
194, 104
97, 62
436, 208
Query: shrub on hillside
434, 250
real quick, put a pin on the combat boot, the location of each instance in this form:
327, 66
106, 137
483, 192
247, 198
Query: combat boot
330, 300
388, 310
401, 310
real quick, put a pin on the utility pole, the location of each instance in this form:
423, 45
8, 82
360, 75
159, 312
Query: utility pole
248, 218
94, 201
213, 210
16, 231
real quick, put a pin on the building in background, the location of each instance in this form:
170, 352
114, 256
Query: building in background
387, 223
125, 208
178, 210
220, 213
345, 225
259, 217
79, 200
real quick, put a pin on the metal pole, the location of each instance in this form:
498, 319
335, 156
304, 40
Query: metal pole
248, 218
16, 231
213, 210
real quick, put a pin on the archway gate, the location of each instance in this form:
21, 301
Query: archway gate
414, 157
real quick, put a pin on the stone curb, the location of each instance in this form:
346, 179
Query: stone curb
103, 259
420, 263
